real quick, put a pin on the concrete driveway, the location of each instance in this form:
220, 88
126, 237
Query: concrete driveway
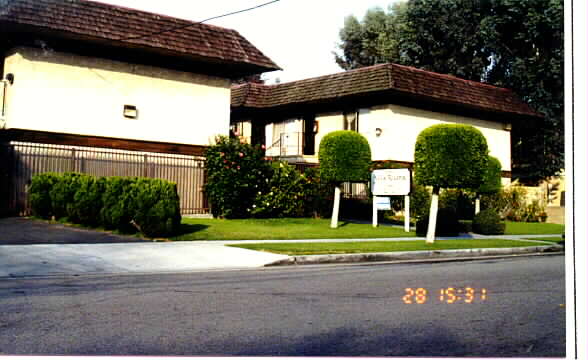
23, 231
37, 248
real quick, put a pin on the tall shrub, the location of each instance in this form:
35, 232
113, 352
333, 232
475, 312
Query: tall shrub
62, 193
118, 205
344, 156
87, 201
449, 156
156, 206
237, 173
40, 197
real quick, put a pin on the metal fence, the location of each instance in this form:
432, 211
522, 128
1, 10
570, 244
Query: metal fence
20, 161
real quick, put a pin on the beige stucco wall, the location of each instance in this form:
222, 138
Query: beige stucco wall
66, 93
401, 125
327, 122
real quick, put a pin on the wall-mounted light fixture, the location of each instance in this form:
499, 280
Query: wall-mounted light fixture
508, 126
378, 132
10, 78
315, 127
130, 112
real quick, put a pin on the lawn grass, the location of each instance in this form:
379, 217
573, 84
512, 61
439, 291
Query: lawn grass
281, 229
525, 228
297, 248
553, 239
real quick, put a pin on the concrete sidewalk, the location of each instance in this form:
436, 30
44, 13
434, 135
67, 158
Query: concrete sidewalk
37, 248
72, 259
117, 258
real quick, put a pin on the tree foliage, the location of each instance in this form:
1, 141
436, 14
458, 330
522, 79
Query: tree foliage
344, 156
492, 181
373, 40
450, 156
509, 43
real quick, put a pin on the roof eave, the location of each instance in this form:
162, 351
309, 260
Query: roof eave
29, 35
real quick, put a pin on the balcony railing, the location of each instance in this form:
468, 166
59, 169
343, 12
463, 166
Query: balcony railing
288, 144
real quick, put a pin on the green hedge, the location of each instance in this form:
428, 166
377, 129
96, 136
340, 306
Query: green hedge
87, 201
151, 206
40, 197
62, 193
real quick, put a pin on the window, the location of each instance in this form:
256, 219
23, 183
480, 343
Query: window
351, 121
130, 112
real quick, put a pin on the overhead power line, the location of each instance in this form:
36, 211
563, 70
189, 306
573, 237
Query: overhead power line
195, 23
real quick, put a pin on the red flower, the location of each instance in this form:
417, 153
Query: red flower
241, 154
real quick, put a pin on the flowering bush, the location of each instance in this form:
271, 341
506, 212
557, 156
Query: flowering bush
512, 204
237, 173
284, 196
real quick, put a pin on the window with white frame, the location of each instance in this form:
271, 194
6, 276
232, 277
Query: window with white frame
351, 120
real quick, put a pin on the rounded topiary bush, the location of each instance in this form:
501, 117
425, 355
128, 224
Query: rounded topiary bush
492, 181
450, 156
488, 222
344, 156
447, 223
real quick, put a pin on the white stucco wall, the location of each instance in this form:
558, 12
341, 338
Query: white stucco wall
67, 93
401, 125
327, 122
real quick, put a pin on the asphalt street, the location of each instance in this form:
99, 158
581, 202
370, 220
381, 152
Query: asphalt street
335, 310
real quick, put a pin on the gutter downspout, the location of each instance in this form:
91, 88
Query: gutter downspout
3, 108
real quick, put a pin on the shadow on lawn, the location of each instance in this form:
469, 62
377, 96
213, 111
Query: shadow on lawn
190, 229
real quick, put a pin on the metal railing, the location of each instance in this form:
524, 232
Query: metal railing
20, 161
288, 144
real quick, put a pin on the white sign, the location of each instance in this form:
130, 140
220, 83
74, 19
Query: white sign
382, 203
389, 182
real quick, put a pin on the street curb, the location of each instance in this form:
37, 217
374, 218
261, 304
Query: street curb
413, 255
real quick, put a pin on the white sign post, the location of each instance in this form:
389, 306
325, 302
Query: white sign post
390, 182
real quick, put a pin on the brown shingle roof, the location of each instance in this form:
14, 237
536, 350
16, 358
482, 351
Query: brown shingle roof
384, 78
117, 26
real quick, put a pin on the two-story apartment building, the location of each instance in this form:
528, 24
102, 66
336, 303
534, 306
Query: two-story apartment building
83, 75
389, 104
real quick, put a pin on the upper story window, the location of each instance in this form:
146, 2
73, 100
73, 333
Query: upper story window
351, 121
130, 112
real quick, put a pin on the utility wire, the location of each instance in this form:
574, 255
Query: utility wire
195, 23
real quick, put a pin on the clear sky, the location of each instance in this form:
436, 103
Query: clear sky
298, 35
